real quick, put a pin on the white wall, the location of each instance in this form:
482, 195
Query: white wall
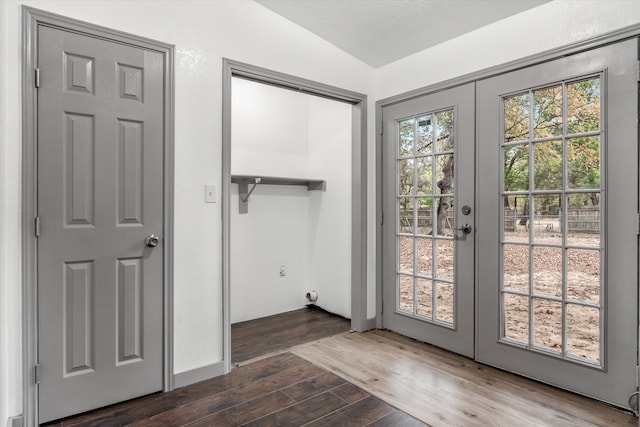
277, 132
269, 130
10, 289
204, 32
273, 233
551, 25
269, 136
330, 211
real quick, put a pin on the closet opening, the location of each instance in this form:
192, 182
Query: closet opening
294, 232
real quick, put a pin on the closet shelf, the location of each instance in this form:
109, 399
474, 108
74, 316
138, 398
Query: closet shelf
244, 181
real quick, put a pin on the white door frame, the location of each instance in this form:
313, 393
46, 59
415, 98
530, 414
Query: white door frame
629, 32
359, 156
31, 19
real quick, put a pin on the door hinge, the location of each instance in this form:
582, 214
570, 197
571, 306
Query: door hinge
37, 78
36, 374
37, 226
638, 71
382, 219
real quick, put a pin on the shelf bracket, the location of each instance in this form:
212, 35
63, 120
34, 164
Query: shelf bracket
245, 193
244, 181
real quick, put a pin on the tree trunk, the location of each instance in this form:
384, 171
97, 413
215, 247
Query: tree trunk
443, 207
445, 185
525, 217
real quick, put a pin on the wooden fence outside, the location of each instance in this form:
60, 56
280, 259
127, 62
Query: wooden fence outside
425, 219
579, 220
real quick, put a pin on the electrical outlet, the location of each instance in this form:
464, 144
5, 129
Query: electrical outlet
283, 270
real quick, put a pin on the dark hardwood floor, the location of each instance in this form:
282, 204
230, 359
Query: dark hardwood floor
281, 390
267, 335
277, 390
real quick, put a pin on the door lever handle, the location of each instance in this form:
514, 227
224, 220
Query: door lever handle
466, 228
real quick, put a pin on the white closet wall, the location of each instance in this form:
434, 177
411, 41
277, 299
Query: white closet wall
330, 211
277, 132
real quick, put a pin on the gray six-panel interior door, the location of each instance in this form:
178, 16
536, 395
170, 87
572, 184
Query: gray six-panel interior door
100, 195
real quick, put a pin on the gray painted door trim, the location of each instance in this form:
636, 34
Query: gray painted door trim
358, 185
625, 33
31, 19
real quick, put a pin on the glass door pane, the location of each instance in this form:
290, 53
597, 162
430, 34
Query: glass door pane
558, 149
426, 249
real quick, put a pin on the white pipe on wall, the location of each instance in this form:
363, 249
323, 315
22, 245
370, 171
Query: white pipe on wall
312, 296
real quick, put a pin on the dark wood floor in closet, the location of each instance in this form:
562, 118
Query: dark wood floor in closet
271, 334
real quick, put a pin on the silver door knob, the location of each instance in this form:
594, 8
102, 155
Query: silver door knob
151, 240
466, 228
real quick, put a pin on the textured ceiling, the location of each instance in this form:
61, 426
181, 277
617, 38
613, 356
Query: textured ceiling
382, 31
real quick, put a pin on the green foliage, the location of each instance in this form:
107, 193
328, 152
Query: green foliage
583, 163
547, 161
538, 115
583, 106
516, 168
423, 141
547, 112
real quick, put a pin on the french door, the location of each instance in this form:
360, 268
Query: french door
557, 229
540, 168
429, 218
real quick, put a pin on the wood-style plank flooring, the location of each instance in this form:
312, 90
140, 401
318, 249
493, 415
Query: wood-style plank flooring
271, 334
281, 390
444, 389
375, 378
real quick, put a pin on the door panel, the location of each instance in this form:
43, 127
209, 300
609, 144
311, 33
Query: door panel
428, 267
557, 242
100, 194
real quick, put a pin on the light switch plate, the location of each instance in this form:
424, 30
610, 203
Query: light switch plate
210, 193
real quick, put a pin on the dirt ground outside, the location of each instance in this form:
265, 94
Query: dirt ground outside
583, 286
